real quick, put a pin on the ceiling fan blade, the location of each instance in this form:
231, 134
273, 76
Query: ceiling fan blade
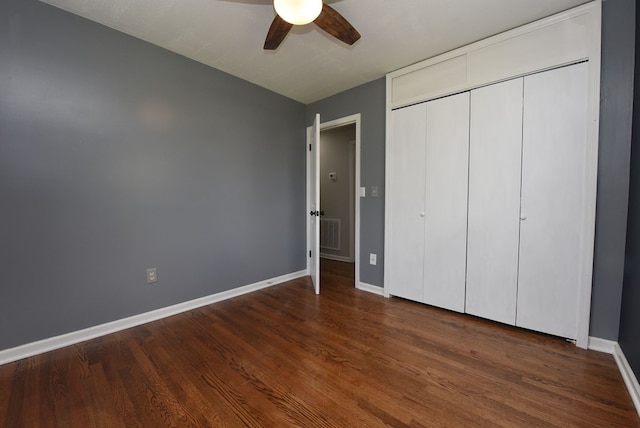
335, 24
277, 32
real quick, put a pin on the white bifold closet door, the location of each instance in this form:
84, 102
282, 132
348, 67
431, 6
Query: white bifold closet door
447, 178
494, 201
406, 228
428, 219
553, 176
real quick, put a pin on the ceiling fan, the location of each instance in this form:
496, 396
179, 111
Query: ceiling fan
301, 12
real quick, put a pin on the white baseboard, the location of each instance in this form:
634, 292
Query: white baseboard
602, 345
629, 377
371, 288
46, 345
336, 258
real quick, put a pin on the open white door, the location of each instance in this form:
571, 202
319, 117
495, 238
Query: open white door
314, 203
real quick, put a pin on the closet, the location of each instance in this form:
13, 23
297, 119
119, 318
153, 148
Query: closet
491, 176
488, 220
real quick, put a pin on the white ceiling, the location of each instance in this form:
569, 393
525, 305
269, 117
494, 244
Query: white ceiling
310, 65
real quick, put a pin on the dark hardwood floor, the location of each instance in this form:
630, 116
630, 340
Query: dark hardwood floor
347, 358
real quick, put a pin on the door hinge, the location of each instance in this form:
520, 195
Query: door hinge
309, 253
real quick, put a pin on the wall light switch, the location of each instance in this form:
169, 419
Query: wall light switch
373, 259
363, 192
374, 191
152, 275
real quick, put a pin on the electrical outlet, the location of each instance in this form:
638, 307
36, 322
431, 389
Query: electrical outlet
373, 259
152, 275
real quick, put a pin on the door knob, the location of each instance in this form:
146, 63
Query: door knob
523, 217
312, 213
422, 214
321, 213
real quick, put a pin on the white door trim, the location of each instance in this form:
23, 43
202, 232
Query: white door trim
352, 201
347, 120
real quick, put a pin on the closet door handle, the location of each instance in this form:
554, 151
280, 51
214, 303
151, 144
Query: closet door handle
422, 214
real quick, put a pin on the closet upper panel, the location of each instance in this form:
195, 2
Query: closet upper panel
555, 41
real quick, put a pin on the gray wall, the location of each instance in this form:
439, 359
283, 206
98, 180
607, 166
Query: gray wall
618, 23
630, 315
369, 101
117, 156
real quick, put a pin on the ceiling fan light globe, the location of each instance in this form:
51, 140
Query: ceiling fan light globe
298, 12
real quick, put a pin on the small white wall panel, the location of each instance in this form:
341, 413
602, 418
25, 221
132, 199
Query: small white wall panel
553, 175
541, 45
564, 42
494, 201
407, 175
441, 78
446, 201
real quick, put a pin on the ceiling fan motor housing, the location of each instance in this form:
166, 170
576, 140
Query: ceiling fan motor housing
298, 12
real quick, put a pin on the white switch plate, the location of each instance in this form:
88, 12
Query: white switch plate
373, 259
374, 191
363, 192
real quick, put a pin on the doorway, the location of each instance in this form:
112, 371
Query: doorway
337, 200
339, 178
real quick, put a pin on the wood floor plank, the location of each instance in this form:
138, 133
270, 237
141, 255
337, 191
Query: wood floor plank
221, 376
105, 355
15, 399
284, 356
190, 391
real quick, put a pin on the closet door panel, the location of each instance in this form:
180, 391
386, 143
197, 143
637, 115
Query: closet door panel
553, 171
407, 175
445, 233
494, 201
